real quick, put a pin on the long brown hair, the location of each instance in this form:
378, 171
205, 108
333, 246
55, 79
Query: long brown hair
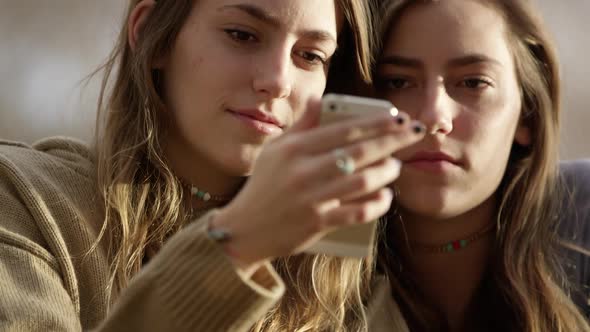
143, 198
527, 289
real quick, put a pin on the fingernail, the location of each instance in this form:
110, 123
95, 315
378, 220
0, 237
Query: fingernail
400, 119
418, 127
396, 165
388, 193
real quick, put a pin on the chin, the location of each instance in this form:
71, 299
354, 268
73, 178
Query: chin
241, 163
429, 203
429, 212
237, 167
426, 208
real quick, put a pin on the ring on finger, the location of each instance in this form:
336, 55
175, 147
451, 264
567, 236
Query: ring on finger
344, 162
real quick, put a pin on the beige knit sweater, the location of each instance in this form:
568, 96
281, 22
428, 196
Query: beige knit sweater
50, 216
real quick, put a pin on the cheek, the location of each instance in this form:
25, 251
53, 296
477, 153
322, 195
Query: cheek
310, 86
491, 116
314, 82
503, 117
488, 139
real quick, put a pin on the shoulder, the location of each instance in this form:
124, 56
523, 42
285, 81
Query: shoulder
46, 188
51, 212
575, 208
574, 228
576, 174
51, 154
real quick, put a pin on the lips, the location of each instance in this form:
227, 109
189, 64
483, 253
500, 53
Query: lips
432, 161
434, 156
260, 116
263, 123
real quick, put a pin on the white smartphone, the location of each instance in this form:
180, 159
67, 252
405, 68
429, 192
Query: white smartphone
357, 240
337, 107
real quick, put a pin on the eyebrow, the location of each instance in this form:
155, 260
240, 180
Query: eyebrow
256, 12
261, 15
469, 59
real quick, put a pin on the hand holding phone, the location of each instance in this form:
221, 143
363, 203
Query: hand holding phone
357, 240
313, 182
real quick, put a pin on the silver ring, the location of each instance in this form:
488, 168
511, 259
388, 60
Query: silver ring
344, 162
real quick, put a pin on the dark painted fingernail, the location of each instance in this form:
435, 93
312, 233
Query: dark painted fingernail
401, 119
418, 128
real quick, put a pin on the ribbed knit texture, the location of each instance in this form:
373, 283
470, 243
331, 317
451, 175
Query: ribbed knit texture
51, 281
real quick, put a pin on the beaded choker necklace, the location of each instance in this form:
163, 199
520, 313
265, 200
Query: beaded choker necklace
203, 195
453, 245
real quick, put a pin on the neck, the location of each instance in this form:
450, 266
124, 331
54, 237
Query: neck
432, 230
200, 172
449, 280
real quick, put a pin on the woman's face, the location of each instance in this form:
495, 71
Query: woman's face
449, 65
240, 72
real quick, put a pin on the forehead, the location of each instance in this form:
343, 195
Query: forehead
449, 28
291, 14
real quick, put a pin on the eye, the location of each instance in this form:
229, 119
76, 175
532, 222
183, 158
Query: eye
399, 83
312, 58
240, 35
395, 83
475, 83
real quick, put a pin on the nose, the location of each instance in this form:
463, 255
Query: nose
273, 76
437, 110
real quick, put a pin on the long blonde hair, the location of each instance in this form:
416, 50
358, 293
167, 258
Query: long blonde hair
527, 287
143, 199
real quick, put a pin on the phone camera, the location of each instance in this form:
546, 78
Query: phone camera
333, 107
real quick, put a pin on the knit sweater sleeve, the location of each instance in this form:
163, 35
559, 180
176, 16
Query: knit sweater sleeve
192, 286
50, 280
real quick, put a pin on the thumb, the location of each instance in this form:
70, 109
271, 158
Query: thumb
310, 118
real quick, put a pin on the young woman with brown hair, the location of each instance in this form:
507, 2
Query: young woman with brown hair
473, 242
156, 228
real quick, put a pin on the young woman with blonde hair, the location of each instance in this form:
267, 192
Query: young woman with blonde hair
156, 228
482, 234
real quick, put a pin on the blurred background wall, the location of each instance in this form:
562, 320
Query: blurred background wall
49, 46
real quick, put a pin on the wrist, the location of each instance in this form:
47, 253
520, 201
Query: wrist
220, 230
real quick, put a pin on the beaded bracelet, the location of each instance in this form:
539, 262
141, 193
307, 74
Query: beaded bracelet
219, 235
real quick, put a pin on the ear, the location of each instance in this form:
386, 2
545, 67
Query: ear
137, 21
523, 135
